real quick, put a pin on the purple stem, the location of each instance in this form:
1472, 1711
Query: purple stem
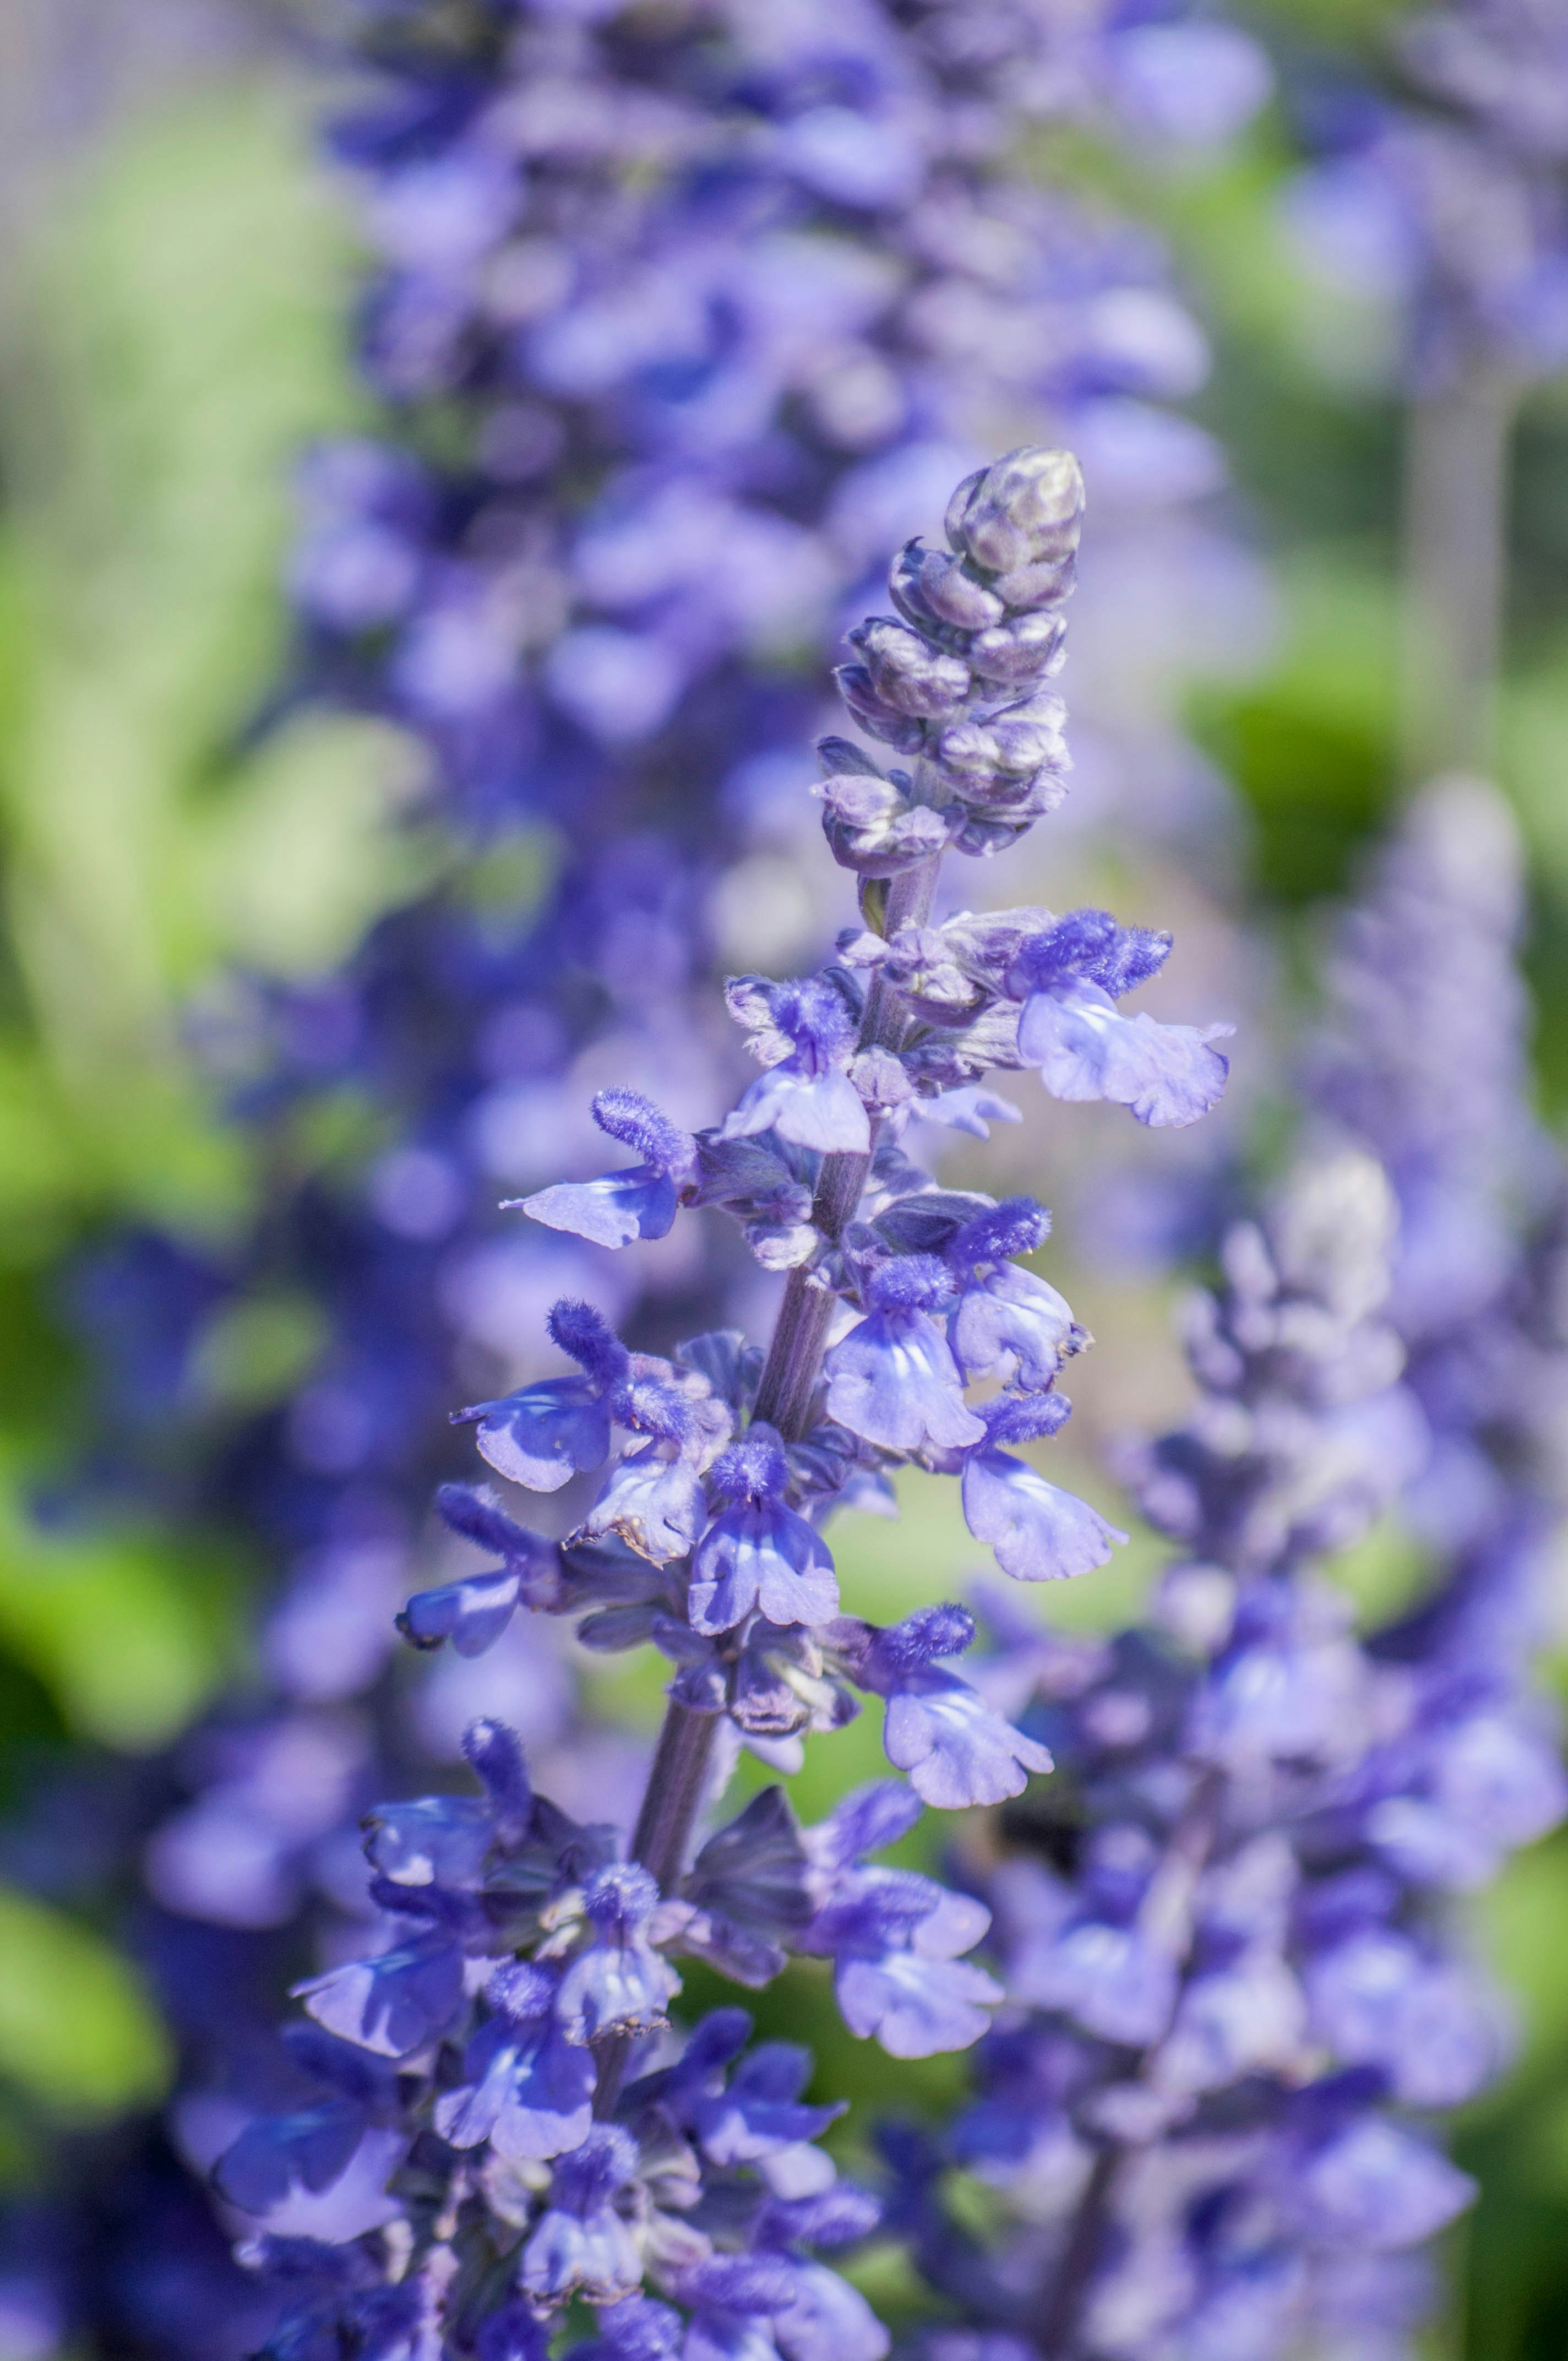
677, 1777
1167, 1915
800, 1333
670, 1801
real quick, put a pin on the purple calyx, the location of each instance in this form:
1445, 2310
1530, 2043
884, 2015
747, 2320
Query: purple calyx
621, 1899
638, 1124
521, 1991
1088, 946
754, 1469
1016, 1227
649, 1407
916, 1282
585, 2181
814, 1018
1024, 1418
586, 1335
495, 1756
922, 1639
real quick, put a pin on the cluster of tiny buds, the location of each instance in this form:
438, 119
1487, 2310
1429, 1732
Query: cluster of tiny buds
956, 683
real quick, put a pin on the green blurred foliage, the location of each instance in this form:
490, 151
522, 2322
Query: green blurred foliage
129, 1632
1310, 747
180, 339
79, 2037
179, 336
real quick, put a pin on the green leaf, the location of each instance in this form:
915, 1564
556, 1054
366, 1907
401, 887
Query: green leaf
126, 1632
303, 851
182, 341
78, 2030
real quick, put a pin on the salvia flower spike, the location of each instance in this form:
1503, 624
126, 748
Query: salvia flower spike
516, 2017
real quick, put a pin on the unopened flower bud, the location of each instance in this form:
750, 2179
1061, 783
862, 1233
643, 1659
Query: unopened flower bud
1046, 584
876, 716
1024, 509
874, 828
1019, 651
1014, 744
908, 673
928, 586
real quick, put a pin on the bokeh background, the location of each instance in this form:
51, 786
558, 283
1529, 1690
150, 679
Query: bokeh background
177, 277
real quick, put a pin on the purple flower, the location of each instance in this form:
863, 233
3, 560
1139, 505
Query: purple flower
394, 2004
514, 2332
494, 1754
634, 2329
826, 2319
897, 1940
1167, 1074
761, 2113
525, 2088
434, 1841
971, 1108
581, 2243
733, 2300
472, 1613
891, 1379
758, 1554
472, 1512
748, 1892
1069, 979
1110, 1979
956, 1751
311, 2148
806, 1097
653, 1502
547, 1432
619, 1984
1039, 1532
1008, 1323
1490, 1786
712, 2186
1244, 2018
895, 1936
1293, 1687
1089, 946
1376, 2187
1377, 2000
639, 1203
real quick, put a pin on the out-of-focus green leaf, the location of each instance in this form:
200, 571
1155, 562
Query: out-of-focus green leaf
78, 2031
304, 850
1383, 1573
1535, 746
1312, 747
257, 1350
38, 1155
128, 1634
1525, 1926
182, 341
1534, 735
888, 2279
512, 874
